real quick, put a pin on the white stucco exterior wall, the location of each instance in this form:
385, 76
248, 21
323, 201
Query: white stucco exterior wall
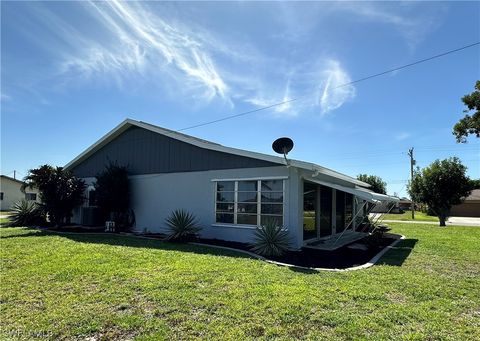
155, 196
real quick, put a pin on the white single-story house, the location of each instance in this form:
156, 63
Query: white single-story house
230, 191
11, 193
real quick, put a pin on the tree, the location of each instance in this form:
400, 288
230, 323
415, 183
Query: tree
378, 185
112, 193
475, 183
60, 191
441, 185
469, 124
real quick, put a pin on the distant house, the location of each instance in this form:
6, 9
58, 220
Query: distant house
405, 204
10, 192
230, 191
470, 207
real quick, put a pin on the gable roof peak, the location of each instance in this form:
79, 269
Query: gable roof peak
127, 123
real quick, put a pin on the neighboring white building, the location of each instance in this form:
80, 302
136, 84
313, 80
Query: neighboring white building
10, 193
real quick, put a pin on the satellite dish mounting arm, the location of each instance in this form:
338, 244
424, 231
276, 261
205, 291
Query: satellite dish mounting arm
283, 146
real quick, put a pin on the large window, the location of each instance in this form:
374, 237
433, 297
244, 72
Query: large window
340, 211
325, 211
249, 202
344, 209
349, 210
30, 196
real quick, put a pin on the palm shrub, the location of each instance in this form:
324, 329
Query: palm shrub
271, 240
376, 236
60, 191
26, 213
182, 225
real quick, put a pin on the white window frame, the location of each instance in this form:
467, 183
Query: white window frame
28, 196
259, 201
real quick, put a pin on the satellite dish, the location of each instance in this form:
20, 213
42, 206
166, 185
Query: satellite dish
283, 145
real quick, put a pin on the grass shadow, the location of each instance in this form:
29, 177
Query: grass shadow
397, 255
114, 239
394, 257
304, 271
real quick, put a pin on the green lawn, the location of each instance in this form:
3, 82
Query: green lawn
407, 215
114, 287
4, 221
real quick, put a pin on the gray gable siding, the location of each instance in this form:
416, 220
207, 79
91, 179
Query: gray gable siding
146, 152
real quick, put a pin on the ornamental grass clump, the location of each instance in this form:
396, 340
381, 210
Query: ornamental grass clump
25, 213
182, 226
271, 240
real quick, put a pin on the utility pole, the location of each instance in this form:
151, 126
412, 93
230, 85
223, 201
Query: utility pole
412, 163
14, 174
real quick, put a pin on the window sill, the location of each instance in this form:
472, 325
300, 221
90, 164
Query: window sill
248, 227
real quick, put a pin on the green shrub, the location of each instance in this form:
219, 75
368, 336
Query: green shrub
182, 225
113, 194
25, 213
376, 236
271, 240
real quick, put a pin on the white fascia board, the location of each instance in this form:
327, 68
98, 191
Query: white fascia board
380, 197
100, 143
211, 146
329, 172
386, 198
251, 179
365, 195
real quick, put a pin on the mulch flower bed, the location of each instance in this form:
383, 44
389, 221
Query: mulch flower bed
340, 258
74, 229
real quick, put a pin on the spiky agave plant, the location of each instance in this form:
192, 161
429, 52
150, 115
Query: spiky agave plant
271, 240
181, 225
25, 213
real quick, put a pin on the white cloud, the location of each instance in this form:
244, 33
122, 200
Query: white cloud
319, 87
402, 136
407, 18
334, 91
138, 45
5, 97
287, 108
142, 43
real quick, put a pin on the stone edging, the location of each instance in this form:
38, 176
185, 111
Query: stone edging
369, 264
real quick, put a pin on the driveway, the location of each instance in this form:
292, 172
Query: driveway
465, 221
452, 221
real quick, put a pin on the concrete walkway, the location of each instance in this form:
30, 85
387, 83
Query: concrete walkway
453, 221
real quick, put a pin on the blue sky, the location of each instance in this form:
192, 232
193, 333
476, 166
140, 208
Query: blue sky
71, 71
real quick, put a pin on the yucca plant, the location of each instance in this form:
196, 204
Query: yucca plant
25, 213
271, 240
182, 225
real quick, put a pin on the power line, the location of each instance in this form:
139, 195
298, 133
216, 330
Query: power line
339, 86
238, 115
411, 64
385, 154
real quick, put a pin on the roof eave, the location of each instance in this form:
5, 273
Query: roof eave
204, 144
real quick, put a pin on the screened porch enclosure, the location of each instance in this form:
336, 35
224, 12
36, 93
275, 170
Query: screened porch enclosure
326, 212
